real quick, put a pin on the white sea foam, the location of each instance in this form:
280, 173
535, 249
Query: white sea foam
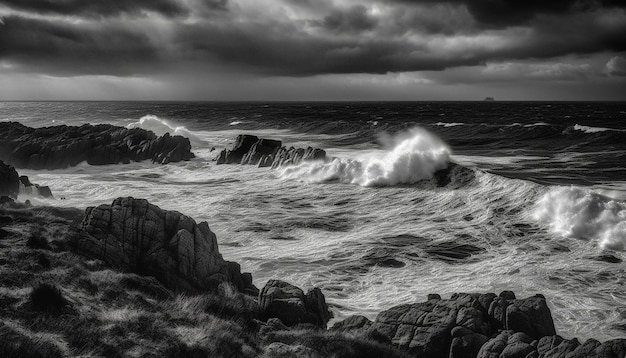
415, 156
582, 213
453, 124
161, 126
589, 129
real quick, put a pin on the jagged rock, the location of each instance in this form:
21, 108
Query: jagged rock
242, 145
288, 303
424, 328
137, 236
531, 316
263, 148
293, 156
63, 146
9, 181
249, 149
494, 347
461, 324
510, 345
29, 188
466, 343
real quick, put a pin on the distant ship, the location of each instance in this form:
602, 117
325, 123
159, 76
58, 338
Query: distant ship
489, 99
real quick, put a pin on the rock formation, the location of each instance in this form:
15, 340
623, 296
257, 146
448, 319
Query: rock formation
137, 236
64, 146
279, 299
26, 187
12, 184
478, 325
249, 149
9, 181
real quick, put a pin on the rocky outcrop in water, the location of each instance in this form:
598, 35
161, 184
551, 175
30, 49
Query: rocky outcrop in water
9, 181
137, 236
12, 184
282, 300
64, 146
29, 188
252, 150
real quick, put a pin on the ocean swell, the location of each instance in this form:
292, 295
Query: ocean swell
584, 214
415, 156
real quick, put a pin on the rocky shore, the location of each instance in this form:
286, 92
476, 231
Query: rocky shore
132, 279
63, 146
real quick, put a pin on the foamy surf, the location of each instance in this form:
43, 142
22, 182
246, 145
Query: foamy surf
590, 129
415, 156
161, 126
584, 214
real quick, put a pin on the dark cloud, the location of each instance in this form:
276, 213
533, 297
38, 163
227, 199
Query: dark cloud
355, 19
100, 8
60, 48
215, 4
339, 40
504, 13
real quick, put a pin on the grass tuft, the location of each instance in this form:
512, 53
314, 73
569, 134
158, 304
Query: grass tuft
37, 240
43, 260
48, 298
16, 344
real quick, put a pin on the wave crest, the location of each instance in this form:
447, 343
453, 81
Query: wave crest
415, 156
581, 213
160, 127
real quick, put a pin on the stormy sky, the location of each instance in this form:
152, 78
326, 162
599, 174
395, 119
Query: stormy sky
313, 49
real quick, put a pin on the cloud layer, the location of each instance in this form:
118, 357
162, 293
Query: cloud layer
304, 38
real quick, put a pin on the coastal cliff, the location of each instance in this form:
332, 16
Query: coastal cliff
131, 279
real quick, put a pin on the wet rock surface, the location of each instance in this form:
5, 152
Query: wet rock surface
9, 181
63, 146
252, 150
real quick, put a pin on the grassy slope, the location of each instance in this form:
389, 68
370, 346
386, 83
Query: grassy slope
55, 303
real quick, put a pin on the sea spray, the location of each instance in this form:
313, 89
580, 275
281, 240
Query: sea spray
160, 127
415, 156
584, 214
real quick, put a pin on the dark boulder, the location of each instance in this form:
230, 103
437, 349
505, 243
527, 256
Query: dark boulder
279, 299
137, 236
63, 146
29, 188
460, 326
9, 181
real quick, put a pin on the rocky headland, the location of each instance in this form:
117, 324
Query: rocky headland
132, 279
59, 147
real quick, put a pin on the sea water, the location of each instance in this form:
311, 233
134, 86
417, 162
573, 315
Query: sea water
537, 205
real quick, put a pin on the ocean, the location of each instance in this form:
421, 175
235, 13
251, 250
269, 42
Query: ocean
538, 204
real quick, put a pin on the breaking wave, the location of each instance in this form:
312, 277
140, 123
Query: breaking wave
415, 156
160, 127
584, 214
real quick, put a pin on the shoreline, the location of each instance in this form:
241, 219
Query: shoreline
465, 321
